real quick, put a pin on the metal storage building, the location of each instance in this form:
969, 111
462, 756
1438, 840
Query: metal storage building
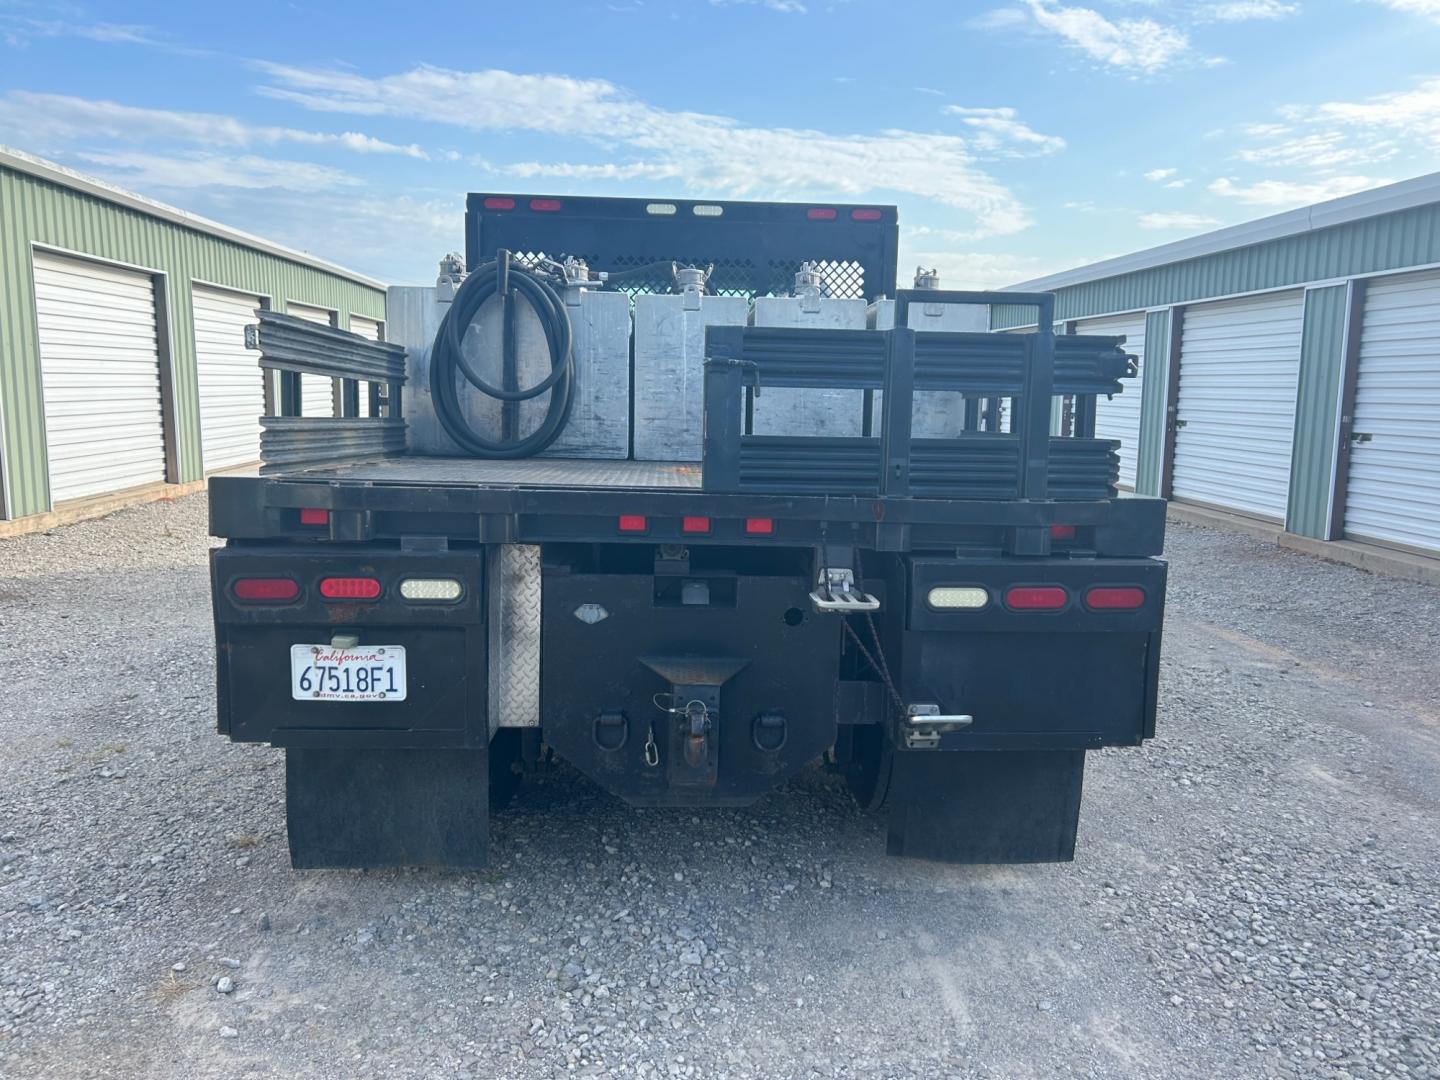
123, 367
1290, 366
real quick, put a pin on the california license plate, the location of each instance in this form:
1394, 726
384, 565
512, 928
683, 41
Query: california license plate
361, 673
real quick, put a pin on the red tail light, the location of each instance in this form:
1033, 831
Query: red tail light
866, 215
1115, 598
633, 523
265, 590
1036, 598
760, 526
545, 206
497, 203
695, 525
1062, 532
821, 213
349, 588
312, 516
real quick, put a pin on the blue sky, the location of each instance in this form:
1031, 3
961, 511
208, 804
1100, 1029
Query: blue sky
1017, 138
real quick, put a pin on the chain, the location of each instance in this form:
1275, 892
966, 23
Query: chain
878, 666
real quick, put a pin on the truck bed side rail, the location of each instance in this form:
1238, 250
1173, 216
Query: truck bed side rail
368, 422
1028, 369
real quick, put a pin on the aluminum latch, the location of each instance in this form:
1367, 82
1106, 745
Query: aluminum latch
924, 724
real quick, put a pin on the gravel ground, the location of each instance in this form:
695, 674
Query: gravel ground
1257, 892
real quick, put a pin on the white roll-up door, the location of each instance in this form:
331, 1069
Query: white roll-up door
232, 386
366, 328
1393, 491
1239, 366
1119, 417
317, 393
100, 373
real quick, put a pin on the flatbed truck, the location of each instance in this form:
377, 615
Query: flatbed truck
949, 623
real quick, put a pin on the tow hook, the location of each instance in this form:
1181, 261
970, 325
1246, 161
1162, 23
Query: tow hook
924, 724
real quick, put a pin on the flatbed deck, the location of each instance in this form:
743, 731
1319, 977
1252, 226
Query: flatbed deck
485, 473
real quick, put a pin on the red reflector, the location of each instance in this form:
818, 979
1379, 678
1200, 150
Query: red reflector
1062, 532
312, 516
545, 206
349, 588
1036, 597
759, 526
497, 203
865, 215
265, 589
695, 525
633, 523
1114, 598
821, 213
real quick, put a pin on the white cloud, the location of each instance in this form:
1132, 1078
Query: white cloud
1413, 114
787, 7
19, 31
1320, 150
1140, 44
1284, 193
1429, 8
1247, 10
1160, 174
1176, 220
57, 116
1001, 131
204, 170
705, 153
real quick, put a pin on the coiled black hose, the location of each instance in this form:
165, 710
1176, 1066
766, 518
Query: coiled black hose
448, 356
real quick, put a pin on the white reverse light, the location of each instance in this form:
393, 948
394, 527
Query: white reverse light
438, 589
969, 597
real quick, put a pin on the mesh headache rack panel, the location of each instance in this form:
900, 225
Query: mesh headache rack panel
756, 248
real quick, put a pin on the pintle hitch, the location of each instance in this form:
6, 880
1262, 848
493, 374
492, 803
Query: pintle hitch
690, 732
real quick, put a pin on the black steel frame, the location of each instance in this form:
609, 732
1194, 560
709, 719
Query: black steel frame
748, 358
761, 243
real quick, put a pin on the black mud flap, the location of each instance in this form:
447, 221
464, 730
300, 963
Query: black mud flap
374, 808
985, 806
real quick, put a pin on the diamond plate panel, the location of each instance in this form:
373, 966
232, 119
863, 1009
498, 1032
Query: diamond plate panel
514, 581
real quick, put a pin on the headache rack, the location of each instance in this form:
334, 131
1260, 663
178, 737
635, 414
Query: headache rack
754, 248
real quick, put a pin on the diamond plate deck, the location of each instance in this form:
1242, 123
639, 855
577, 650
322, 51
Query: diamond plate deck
527, 472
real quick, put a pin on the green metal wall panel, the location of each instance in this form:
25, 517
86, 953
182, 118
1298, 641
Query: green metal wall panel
37, 211
1312, 459
1151, 447
1394, 241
